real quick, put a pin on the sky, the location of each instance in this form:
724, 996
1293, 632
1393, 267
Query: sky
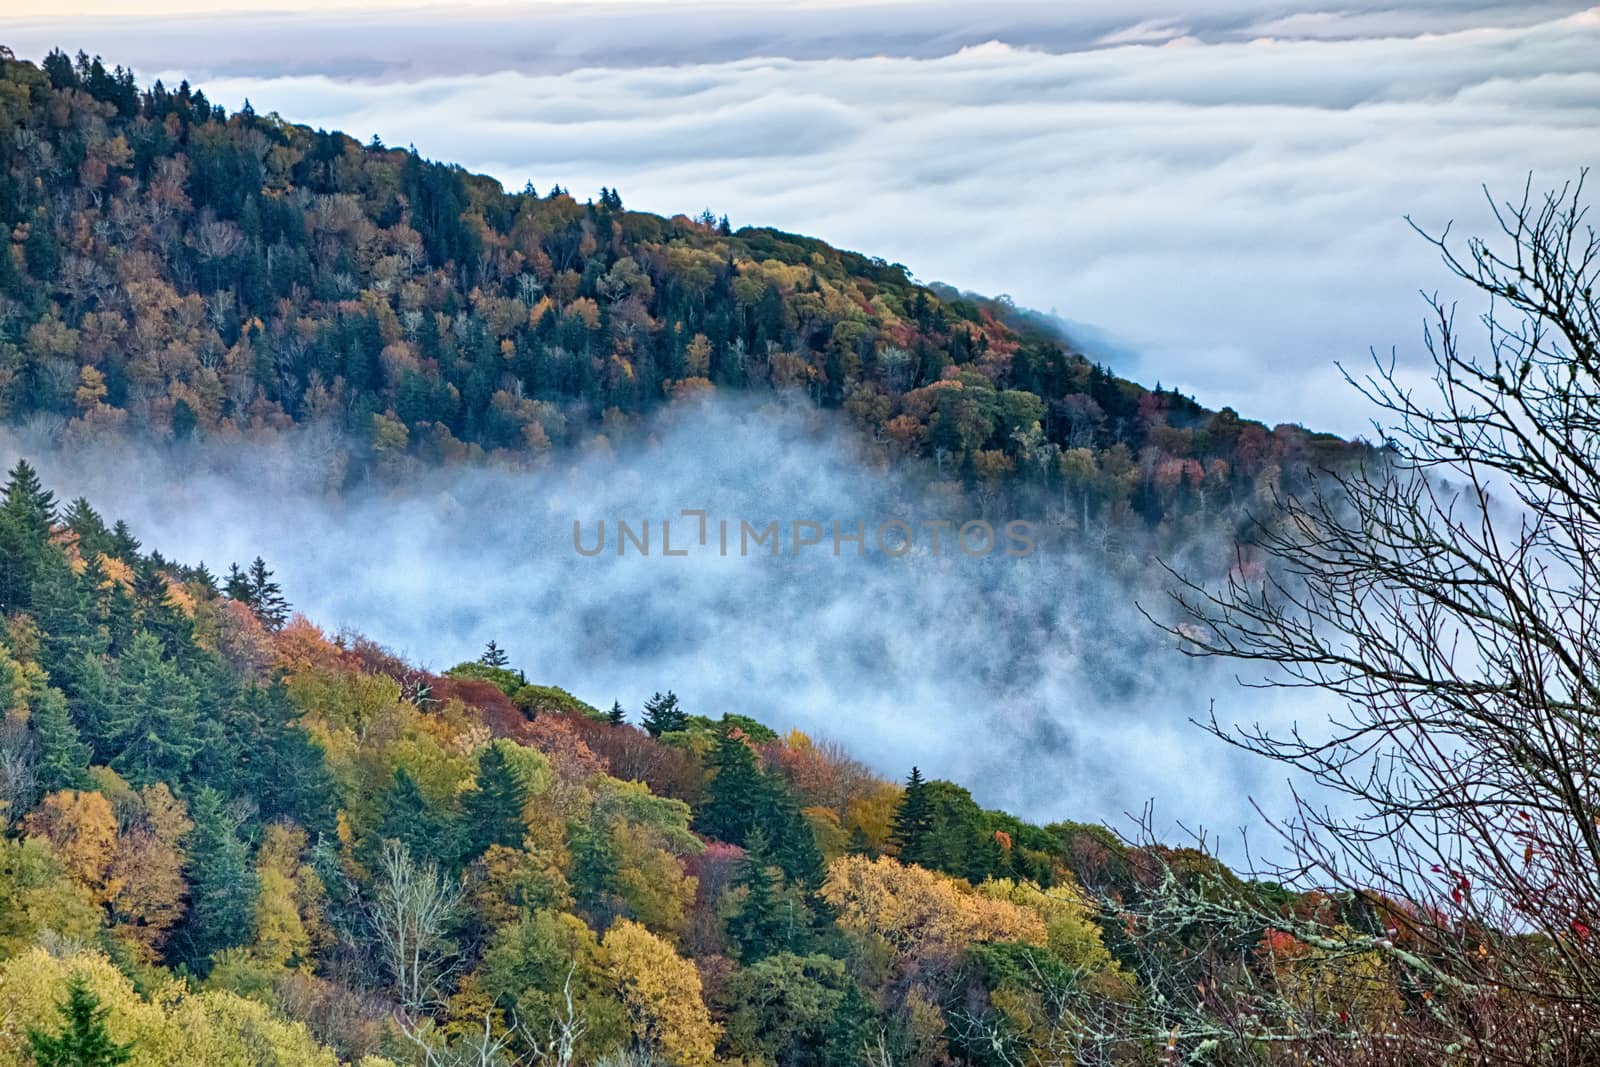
1216, 201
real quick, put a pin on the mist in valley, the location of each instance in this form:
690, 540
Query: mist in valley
1032, 680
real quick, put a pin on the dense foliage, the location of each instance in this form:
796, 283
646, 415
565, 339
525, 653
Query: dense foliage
178, 271
220, 821
229, 838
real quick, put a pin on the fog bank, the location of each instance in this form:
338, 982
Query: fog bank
1031, 680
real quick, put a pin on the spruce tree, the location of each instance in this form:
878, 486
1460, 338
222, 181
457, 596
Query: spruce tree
757, 927
237, 586
201, 575
663, 716
257, 749
989, 860
492, 813
913, 818
84, 1040
494, 656
28, 502
409, 819
266, 597
158, 614
794, 846
90, 529
616, 716
26, 516
63, 609
222, 884
124, 545
736, 794
150, 716
63, 761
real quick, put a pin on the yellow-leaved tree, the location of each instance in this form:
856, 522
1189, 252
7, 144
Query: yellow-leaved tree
923, 915
172, 1027
661, 991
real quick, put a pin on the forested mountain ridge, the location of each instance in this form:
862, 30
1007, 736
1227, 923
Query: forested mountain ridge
227, 838
176, 271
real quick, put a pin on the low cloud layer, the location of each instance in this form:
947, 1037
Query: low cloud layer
1223, 194
1032, 680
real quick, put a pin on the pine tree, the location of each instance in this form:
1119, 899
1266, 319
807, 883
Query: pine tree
758, 926
663, 716
494, 656
492, 813
616, 716
222, 884
84, 1040
913, 818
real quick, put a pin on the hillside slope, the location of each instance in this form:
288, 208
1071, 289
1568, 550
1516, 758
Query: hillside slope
249, 842
176, 271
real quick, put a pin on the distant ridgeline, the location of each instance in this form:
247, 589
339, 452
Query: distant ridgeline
179, 272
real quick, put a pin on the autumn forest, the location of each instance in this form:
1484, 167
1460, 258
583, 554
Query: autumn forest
231, 835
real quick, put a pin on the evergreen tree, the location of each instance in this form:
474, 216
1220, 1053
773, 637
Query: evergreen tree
201, 575
758, 926
158, 614
150, 716
958, 840
266, 597
663, 716
859, 845
736, 794
794, 845
616, 716
409, 819
84, 1040
89, 527
63, 761
990, 860
594, 872
913, 818
63, 610
258, 750
124, 545
26, 517
494, 656
238, 586
492, 813
222, 884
